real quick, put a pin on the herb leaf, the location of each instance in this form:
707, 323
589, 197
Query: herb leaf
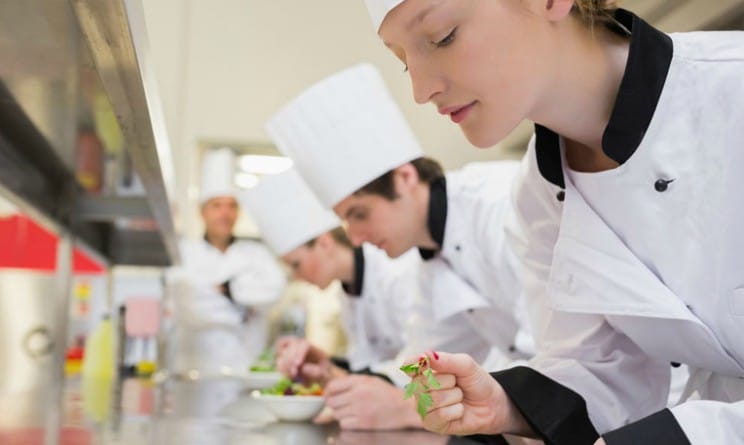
411, 389
431, 381
420, 389
412, 368
424, 403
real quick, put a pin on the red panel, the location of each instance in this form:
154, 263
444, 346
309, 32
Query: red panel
26, 245
83, 264
35, 436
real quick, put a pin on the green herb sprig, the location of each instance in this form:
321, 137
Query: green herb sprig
420, 389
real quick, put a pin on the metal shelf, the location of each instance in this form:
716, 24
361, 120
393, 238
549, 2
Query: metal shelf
58, 62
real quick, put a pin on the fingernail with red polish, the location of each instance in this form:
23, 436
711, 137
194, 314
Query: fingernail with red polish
436, 356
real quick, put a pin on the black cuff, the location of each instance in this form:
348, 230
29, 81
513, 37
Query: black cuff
367, 371
658, 429
226, 290
477, 439
341, 363
344, 364
556, 413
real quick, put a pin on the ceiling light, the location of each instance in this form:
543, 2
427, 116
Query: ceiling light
246, 180
264, 164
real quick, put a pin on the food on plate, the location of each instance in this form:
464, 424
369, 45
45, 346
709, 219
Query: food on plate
286, 387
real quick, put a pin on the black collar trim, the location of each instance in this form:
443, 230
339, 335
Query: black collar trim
355, 289
436, 219
649, 58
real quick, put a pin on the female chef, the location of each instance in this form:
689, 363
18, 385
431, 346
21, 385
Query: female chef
630, 196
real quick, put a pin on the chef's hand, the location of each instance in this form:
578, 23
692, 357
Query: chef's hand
363, 402
469, 400
600, 441
296, 357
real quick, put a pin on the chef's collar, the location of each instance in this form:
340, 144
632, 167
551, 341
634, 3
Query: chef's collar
355, 289
437, 216
229, 242
649, 58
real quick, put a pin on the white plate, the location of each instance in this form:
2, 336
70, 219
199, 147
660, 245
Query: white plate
261, 380
292, 408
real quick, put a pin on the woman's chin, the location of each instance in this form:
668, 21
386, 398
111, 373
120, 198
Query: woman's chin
482, 140
484, 137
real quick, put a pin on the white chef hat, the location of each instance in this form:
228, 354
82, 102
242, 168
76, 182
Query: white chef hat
378, 9
286, 211
217, 178
343, 132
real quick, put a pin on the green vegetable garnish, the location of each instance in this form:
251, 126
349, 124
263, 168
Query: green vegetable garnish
410, 368
286, 387
421, 389
281, 386
264, 362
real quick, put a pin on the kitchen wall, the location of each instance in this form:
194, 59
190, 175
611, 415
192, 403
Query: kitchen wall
225, 66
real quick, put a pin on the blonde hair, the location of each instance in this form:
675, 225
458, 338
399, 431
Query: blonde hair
596, 11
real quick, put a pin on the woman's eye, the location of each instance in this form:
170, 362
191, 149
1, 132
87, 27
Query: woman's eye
447, 40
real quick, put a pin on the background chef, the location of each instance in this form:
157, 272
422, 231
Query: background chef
221, 294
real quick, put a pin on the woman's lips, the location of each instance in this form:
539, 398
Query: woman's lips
458, 113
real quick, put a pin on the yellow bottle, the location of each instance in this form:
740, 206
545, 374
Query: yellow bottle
98, 371
98, 360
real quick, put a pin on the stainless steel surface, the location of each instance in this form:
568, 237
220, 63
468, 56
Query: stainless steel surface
61, 77
60, 306
96, 208
133, 246
116, 34
216, 411
25, 298
39, 64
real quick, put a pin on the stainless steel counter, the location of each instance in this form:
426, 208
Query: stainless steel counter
214, 412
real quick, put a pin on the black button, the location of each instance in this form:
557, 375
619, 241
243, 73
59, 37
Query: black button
512, 348
471, 310
661, 185
675, 365
457, 247
561, 196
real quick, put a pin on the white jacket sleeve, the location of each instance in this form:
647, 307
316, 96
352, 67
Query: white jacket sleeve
707, 422
356, 351
449, 335
582, 352
196, 303
504, 238
401, 291
428, 330
260, 280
